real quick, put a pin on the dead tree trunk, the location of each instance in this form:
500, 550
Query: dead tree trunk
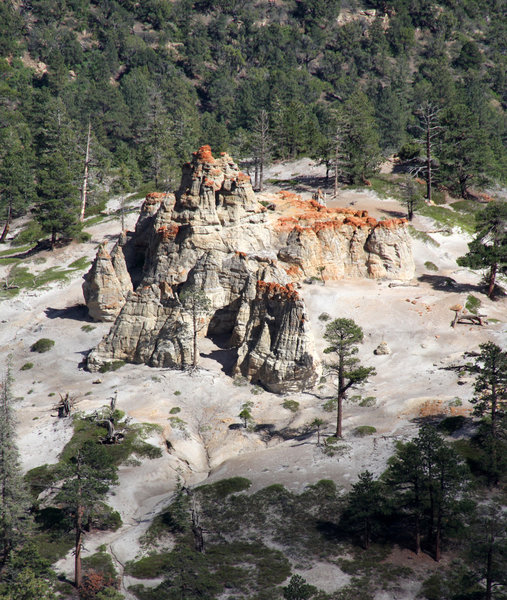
430, 129
7, 225
84, 187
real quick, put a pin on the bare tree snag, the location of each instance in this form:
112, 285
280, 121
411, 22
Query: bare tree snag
84, 187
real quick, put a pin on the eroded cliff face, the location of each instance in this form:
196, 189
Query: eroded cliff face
213, 235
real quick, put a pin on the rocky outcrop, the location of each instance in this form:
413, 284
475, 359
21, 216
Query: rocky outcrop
341, 242
107, 283
213, 235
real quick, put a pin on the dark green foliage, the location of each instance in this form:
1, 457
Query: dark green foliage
111, 366
489, 248
427, 479
224, 487
344, 335
363, 514
298, 589
26, 366
42, 345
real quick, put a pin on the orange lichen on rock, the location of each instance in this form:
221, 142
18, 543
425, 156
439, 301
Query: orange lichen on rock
276, 290
204, 154
391, 223
154, 197
240, 254
293, 271
243, 177
168, 232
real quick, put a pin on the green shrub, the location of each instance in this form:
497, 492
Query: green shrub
225, 487
26, 366
409, 151
472, 304
101, 562
175, 410
368, 402
112, 366
324, 316
422, 236
87, 328
364, 430
291, 405
430, 266
31, 234
42, 345
177, 393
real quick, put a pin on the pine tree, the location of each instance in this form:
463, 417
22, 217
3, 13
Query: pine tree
14, 502
344, 335
365, 505
58, 208
490, 400
360, 138
197, 305
86, 479
489, 248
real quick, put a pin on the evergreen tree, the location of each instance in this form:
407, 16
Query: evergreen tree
406, 479
343, 336
86, 479
360, 138
58, 208
465, 153
488, 548
365, 507
14, 503
197, 304
17, 188
489, 248
298, 589
490, 402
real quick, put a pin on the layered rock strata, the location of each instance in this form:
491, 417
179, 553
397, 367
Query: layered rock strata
213, 235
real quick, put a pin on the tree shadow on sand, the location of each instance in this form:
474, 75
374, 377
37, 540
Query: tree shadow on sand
78, 312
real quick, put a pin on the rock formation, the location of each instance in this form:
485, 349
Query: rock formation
213, 235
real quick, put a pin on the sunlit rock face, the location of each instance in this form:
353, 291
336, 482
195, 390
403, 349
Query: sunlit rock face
213, 235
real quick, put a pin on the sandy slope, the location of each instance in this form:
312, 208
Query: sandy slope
413, 320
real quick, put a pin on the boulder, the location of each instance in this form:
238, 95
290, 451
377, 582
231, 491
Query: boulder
382, 348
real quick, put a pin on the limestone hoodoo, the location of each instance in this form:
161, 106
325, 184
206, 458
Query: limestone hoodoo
214, 236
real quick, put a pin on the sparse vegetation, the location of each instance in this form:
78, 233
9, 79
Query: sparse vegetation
364, 430
472, 304
42, 345
87, 328
111, 366
26, 366
291, 405
430, 266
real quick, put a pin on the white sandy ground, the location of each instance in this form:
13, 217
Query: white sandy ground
414, 321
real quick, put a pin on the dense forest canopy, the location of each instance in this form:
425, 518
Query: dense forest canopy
157, 78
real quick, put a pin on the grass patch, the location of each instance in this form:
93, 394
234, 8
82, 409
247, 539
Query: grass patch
430, 266
367, 402
422, 236
225, 487
100, 562
9, 261
472, 304
17, 250
112, 366
94, 220
27, 366
30, 235
364, 430
42, 345
291, 405
87, 328
449, 217
79, 264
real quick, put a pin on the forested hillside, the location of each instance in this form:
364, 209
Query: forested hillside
152, 80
